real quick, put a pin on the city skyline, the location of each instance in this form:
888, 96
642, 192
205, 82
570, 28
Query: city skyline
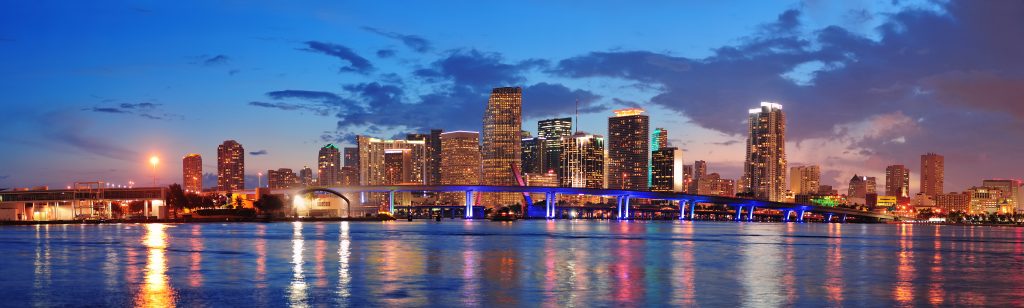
880, 139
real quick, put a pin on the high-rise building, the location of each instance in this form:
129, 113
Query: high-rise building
897, 181
667, 170
582, 161
932, 174
501, 148
460, 158
533, 155
688, 183
988, 200
230, 166
397, 166
953, 202
460, 162
628, 149
714, 185
350, 167
433, 148
352, 157
192, 173
306, 176
659, 139
862, 186
804, 180
282, 178
329, 165
765, 167
700, 169
552, 130
372, 161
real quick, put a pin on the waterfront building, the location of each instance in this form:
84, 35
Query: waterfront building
713, 184
501, 147
582, 161
1010, 190
460, 162
329, 165
352, 157
804, 180
897, 181
659, 139
397, 167
192, 173
628, 149
688, 183
667, 170
988, 200
282, 178
765, 165
700, 169
860, 188
230, 166
552, 130
953, 202
349, 176
533, 155
932, 174
827, 190
371, 159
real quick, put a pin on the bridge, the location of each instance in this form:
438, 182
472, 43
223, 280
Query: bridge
744, 208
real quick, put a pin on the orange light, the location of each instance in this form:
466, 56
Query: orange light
628, 112
154, 160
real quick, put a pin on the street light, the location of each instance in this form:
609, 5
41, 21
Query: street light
154, 161
259, 179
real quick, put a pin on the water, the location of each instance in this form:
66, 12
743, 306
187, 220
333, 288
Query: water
526, 263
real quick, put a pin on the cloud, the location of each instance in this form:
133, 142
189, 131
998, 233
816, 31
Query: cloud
415, 43
258, 153
356, 63
146, 110
386, 53
216, 60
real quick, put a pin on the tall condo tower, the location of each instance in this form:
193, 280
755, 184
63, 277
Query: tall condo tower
501, 148
765, 167
629, 149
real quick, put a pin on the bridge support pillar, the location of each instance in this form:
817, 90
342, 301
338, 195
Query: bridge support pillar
682, 209
843, 219
828, 218
739, 213
785, 215
800, 215
469, 204
550, 202
693, 210
623, 207
391, 202
750, 215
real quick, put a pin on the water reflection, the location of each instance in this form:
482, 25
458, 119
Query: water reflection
156, 291
297, 288
760, 269
195, 269
903, 292
834, 283
936, 292
684, 269
344, 253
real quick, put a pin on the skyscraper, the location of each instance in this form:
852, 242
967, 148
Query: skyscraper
700, 169
932, 174
329, 165
628, 149
765, 166
372, 161
804, 180
460, 158
433, 148
533, 155
688, 179
352, 157
282, 178
192, 172
667, 170
897, 181
397, 166
350, 169
552, 130
230, 166
582, 161
306, 176
501, 148
659, 139
858, 187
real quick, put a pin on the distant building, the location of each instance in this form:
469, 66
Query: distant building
659, 139
953, 202
988, 200
932, 174
192, 173
552, 130
628, 149
714, 185
230, 166
372, 161
688, 183
667, 170
700, 169
349, 176
329, 165
502, 146
765, 167
306, 176
398, 166
283, 178
547, 179
827, 190
897, 181
582, 161
352, 157
533, 155
804, 180
1010, 190
460, 158
858, 189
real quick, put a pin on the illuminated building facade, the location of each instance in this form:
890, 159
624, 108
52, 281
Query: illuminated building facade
659, 139
861, 186
897, 181
533, 155
765, 166
628, 149
688, 183
552, 130
282, 178
460, 162
306, 176
932, 174
192, 172
397, 165
667, 170
582, 161
502, 144
804, 180
953, 202
433, 148
371, 159
230, 166
988, 200
700, 169
329, 165
1010, 189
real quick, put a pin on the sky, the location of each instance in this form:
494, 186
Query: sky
91, 90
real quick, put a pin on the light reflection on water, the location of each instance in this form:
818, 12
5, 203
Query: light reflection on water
526, 263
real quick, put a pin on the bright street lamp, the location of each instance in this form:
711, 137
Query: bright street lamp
153, 160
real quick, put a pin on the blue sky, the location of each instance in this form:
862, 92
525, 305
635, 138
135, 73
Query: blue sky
92, 89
